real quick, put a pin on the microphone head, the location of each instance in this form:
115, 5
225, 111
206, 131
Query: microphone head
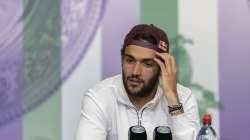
162, 133
137, 133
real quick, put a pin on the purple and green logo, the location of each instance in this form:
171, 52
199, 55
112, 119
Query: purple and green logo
41, 43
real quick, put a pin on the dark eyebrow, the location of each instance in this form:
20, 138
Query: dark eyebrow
128, 55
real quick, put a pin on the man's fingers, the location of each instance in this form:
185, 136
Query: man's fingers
161, 64
167, 60
173, 63
161, 55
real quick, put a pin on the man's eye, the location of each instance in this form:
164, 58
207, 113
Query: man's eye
148, 64
129, 60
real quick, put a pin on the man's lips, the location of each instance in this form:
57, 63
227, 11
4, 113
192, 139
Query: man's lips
134, 82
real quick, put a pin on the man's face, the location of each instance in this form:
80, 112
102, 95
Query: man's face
140, 72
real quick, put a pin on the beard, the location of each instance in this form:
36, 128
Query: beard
146, 88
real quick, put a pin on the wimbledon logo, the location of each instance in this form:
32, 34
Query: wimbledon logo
41, 43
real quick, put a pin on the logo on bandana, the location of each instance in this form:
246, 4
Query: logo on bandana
163, 45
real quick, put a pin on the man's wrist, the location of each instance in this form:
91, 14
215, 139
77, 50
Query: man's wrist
172, 98
175, 109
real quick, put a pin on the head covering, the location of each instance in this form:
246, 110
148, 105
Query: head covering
160, 36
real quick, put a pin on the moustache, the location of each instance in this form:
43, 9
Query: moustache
134, 78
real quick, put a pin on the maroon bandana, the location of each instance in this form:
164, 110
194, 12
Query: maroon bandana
158, 34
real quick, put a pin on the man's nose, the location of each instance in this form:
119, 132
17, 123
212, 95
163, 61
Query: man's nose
137, 69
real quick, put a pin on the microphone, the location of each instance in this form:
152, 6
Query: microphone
137, 133
162, 133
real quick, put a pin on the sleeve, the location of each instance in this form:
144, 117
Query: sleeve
93, 123
187, 125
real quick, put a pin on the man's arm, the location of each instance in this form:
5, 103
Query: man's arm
186, 125
184, 110
93, 124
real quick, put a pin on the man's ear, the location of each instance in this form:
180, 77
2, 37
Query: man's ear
122, 57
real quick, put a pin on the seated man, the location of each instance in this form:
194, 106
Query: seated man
146, 93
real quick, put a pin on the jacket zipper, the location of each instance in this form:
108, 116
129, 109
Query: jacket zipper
139, 115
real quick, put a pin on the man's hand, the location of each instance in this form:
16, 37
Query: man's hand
168, 76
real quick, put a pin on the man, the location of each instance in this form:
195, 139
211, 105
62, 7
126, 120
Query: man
145, 94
